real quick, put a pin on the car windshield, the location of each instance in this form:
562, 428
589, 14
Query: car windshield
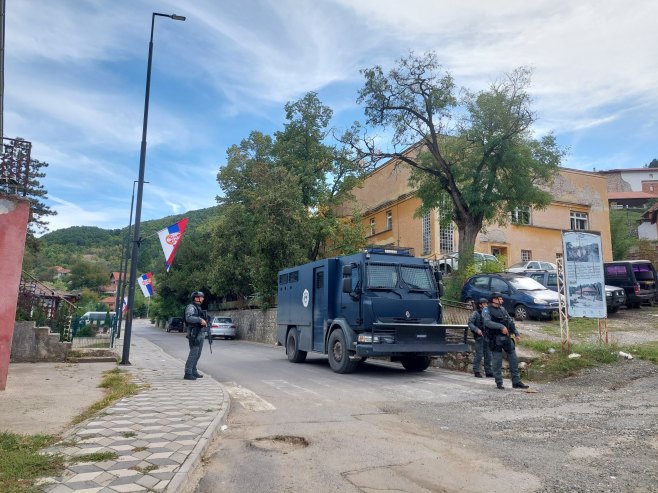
417, 277
221, 320
526, 284
382, 276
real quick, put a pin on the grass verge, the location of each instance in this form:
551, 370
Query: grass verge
117, 385
21, 464
557, 365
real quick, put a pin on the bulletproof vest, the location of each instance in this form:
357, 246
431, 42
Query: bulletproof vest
498, 315
198, 313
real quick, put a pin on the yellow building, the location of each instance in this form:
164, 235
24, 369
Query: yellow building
388, 203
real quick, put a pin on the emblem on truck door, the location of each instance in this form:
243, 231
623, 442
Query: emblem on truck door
305, 298
407, 314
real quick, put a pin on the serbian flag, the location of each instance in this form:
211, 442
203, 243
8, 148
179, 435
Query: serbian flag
146, 283
169, 239
125, 305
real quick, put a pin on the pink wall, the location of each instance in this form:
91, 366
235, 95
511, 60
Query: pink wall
14, 213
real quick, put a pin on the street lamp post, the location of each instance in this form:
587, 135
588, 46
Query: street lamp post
125, 358
123, 268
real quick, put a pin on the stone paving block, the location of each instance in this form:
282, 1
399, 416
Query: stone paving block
128, 488
141, 455
160, 455
166, 476
148, 481
84, 476
123, 474
81, 485
60, 488
90, 490
162, 462
82, 468
160, 486
179, 457
125, 465
105, 478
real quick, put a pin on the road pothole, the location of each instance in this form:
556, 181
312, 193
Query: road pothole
279, 443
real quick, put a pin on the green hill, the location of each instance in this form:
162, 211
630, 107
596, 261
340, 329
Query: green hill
66, 246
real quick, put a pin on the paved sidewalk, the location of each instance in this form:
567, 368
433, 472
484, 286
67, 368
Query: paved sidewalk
159, 434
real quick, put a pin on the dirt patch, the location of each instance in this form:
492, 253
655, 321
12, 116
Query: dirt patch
626, 327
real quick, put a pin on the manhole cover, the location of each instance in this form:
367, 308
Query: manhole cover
281, 443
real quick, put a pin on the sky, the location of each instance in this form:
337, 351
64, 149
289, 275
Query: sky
75, 75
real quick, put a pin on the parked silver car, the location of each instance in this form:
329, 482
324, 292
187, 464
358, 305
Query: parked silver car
223, 327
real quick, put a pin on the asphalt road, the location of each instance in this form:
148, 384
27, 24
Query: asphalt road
302, 427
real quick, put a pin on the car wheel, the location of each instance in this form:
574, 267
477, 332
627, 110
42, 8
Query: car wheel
339, 356
520, 312
292, 348
415, 363
613, 309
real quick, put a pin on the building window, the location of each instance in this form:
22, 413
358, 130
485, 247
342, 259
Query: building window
521, 215
526, 255
447, 238
427, 234
389, 220
372, 226
579, 220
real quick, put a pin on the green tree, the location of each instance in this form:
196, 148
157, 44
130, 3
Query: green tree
261, 228
653, 163
620, 234
280, 195
476, 148
88, 275
325, 173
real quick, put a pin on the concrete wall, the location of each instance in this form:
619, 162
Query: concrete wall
31, 344
253, 325
14, 214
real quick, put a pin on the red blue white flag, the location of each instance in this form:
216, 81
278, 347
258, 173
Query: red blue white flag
125, 305
170, 238
146, 284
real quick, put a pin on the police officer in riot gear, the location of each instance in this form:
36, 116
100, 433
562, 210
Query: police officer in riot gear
500, 328
196, 328
476, 324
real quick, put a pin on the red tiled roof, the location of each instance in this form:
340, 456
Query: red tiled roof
623, 170
631, 195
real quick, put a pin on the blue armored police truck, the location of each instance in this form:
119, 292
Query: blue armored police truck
381, 302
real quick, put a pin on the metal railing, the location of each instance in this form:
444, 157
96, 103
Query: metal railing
38, 302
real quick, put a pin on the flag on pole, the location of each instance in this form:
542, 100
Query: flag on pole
170, 238
146, 284
125, 305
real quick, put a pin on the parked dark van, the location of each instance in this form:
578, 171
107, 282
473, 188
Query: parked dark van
637, 277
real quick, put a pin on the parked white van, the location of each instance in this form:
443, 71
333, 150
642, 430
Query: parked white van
97, 318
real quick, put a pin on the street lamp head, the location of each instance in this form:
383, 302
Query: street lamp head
177, 17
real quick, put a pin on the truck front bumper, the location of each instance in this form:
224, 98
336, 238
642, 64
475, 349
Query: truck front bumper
404, 339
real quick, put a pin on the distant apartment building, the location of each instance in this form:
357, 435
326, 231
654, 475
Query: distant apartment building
388, 205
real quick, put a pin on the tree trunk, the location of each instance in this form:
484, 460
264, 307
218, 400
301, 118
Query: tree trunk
468, 230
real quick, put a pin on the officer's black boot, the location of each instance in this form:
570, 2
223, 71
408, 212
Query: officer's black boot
198, 375
189, 377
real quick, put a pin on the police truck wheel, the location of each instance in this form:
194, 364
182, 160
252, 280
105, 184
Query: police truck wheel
339, 356
292, 348
415, 363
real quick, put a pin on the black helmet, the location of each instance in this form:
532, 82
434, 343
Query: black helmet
197, 293
483, 300
494, 295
